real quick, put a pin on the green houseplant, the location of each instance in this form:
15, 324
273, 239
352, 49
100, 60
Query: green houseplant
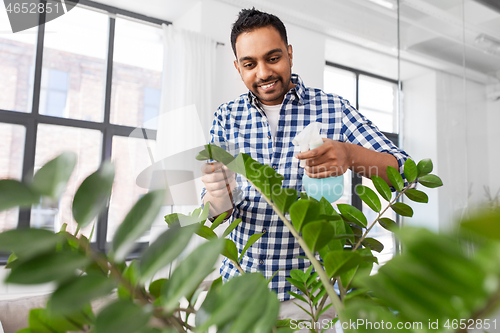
463, 285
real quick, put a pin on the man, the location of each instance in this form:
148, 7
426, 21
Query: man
263, 123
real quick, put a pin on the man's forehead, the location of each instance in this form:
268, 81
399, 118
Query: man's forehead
259, 42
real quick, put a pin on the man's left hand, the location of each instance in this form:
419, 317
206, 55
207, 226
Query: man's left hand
331, 159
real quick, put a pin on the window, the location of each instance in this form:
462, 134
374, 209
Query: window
137, 69
376, 98
54, 92
17, 59
91, 87
152, 97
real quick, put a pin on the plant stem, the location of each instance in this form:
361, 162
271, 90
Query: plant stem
106, 266
491, 305
337, 304
238, 266
77, 230
358, 244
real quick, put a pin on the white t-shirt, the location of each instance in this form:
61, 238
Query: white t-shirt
273, 116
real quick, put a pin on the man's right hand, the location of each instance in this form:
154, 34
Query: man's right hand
219, 182
218, 179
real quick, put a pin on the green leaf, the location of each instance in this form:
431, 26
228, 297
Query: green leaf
431, 181
132, 276
191, 272
93, 194
402, 209
410, 170
327, 208
206, 232
213, 152
47, 268
41, 321
254, 311
298, 296
156, 286
432, 279
11, 261
269, 316
230, 251
298, 275
352, 214
416, 195
362, 270
395, 178
218, 220
271, 183
231, 227
317, 234
73, 295
136, 223
388, 224
14, 193
382, 188
122, 316
165, 249
373, 244
369, 197
485, 223
26, 243
303, 212
251, 241
339, 262
285, 199
299, 284
424, 167
177, 218
204, 213
52, 178
237, 306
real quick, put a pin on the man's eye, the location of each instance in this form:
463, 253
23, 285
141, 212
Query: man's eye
274, 59
248, 65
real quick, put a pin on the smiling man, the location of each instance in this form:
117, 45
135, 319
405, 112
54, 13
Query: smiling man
263, 123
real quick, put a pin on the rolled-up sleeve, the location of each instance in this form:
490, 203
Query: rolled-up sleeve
359, 130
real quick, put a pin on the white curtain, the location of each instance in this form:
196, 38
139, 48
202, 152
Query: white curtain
188, 78
187, 109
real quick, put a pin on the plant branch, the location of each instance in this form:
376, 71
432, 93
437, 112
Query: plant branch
491, 305
238, 266
317, 266
358, 244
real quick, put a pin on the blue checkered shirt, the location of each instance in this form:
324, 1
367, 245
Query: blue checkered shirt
242, 124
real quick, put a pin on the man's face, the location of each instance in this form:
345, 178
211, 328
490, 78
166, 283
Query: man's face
265, 64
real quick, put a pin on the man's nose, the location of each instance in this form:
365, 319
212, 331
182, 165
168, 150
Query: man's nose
264, 72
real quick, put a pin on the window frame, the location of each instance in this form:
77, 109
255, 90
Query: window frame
394, 137
31, 120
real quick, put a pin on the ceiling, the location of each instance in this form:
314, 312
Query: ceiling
431, 31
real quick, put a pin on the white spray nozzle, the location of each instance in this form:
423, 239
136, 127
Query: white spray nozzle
308, 138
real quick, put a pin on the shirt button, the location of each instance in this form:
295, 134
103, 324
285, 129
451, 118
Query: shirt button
274, 167
261, 262
264, 231
269, 137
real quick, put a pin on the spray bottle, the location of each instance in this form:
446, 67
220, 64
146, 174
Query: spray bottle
330, 188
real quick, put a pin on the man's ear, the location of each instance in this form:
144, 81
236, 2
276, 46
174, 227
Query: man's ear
290, 54
237, 67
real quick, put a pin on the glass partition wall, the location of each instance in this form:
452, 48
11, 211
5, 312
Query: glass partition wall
427, 73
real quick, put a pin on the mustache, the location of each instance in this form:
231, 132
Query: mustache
267, 80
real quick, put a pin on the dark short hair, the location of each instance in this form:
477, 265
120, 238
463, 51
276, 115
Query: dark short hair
251, 19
